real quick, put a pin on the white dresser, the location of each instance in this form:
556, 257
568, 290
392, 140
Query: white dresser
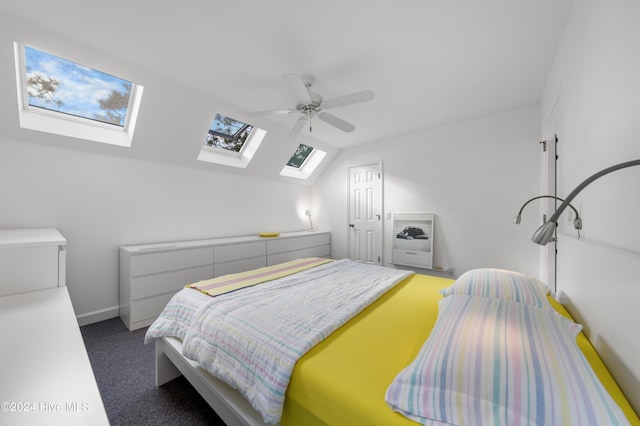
151, 274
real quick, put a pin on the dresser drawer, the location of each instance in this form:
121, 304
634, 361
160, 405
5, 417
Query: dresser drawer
148, 309
285, 244
150, 285
320, 251
420, 259
240, 265
151, 263
317, 240
231, 252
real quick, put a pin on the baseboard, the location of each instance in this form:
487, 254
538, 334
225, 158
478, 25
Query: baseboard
97, 316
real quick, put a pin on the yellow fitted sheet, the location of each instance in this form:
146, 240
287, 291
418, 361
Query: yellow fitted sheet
343, 380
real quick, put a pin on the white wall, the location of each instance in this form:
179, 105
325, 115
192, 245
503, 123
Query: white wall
101, 196
596, 77
100, 202
474, 176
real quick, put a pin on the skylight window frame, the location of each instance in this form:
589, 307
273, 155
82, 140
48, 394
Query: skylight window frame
228, 152
237, 132
307, 168
216, 149
227, 157
45, 120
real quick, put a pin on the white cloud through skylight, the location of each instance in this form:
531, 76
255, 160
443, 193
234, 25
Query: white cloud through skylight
77, 90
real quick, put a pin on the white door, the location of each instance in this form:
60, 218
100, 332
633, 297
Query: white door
365, 213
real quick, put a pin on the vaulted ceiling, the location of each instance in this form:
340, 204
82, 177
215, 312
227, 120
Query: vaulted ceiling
429, 62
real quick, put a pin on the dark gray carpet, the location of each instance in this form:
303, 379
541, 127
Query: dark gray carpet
125, 372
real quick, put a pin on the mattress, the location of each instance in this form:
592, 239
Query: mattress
343, 379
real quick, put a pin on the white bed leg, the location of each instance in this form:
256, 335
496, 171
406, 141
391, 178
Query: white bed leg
165, 370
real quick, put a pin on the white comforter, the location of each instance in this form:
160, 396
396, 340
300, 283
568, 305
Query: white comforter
252, 339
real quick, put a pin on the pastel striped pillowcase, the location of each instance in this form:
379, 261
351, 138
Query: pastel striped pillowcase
497, 362
501, 284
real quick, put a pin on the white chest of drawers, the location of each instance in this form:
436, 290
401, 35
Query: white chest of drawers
151, 274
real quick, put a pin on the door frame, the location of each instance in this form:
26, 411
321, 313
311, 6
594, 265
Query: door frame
549, 184
380, 237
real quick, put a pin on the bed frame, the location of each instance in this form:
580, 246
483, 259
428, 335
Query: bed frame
227, 402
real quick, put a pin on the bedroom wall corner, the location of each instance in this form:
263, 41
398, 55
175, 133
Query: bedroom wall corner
473, 175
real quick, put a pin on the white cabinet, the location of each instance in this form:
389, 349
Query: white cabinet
317, 244
151, 274
150, 277
31, 259
243, 256
413, 239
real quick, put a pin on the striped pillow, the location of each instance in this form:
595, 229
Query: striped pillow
501, 284
498, 362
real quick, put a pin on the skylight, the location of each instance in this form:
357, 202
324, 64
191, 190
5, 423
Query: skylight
303, 162
230, 142
59, 85
56, 95
300, 156
227, 133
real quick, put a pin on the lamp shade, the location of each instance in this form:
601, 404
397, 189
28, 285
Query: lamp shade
544, 234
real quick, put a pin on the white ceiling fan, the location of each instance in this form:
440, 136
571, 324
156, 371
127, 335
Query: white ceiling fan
312, 105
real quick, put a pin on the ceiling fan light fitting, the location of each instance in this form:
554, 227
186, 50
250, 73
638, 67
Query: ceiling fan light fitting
312, 105
307, 80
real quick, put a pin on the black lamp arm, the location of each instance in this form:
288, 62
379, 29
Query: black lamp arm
577, 221
554, 217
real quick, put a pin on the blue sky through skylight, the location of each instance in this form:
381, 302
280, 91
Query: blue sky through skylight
78, 91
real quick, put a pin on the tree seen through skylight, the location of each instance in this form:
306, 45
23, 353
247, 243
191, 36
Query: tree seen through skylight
59, 85
227, 133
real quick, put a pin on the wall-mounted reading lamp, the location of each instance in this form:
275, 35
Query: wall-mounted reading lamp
577, 222
544, 234
308, 213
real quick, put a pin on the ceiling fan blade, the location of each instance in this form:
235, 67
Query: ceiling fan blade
297, 85
297, 127
336, 122
354, 98
272, 112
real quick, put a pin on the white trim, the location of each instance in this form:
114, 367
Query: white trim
97, 316
229, 158
43, 120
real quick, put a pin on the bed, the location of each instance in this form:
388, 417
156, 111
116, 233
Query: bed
348, 376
